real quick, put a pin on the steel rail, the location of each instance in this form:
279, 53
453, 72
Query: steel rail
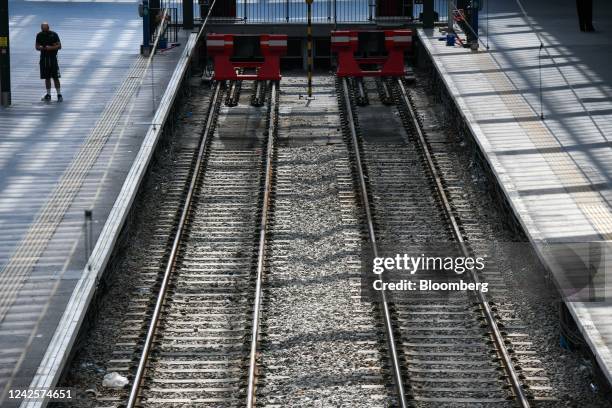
207, 132
263, 235
497, 336
397, 374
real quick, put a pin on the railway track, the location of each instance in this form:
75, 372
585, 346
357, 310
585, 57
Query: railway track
321, 341
201, 338
444, 348
201, 345
515, 329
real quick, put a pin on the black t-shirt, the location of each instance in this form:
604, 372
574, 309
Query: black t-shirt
47, 38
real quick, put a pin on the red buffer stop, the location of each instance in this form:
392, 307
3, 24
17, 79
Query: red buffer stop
371, 53
257, 55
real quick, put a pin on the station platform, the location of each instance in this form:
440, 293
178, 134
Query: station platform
58, 160
554, 171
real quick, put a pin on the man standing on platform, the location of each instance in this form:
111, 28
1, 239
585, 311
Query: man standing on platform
48, 43
585, 15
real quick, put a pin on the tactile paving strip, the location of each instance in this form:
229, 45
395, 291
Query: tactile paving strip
590, 202
42, 229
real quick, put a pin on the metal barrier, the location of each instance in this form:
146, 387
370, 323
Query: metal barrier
170, 33
440, 7
323, 11
291, 11
177, 5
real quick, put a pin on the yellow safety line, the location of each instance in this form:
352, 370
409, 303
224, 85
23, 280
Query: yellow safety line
590, 202
31, 247
73, 249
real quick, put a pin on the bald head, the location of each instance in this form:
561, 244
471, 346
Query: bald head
44, 26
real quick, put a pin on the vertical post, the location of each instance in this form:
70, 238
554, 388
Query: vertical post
487, 24
309, 39
88, 236
5, 56
187, 14
451, 20
476, 7
408, 9
428, 14
540, 72
244, 9
145, 48
153, 86
155, 7
287, 10
335, 15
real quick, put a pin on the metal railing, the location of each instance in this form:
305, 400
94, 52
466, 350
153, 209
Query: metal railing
323, 11
440, 8
177, 5
171, 29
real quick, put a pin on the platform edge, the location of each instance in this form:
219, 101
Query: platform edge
576, 309
64, 337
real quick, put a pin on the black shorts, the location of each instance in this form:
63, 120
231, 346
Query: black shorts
49, 67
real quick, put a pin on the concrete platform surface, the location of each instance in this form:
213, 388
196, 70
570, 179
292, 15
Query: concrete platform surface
59, 159
554, 171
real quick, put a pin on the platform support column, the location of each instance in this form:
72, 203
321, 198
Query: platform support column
145, 48
476, 7
309, 45
428, 14
187, 14
451, 20
5, 59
